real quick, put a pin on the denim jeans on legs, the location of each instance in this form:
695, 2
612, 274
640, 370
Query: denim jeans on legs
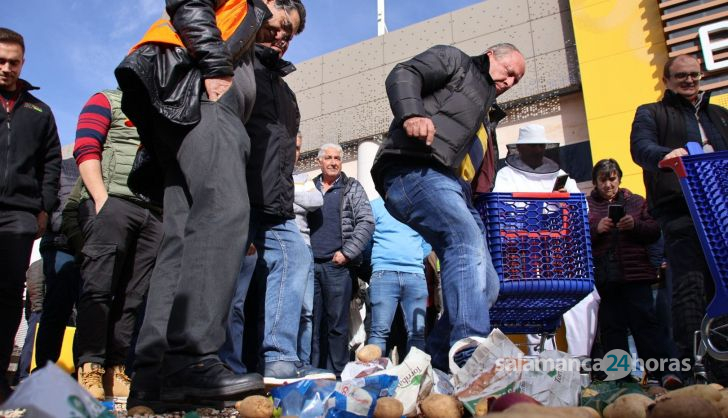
387, 289
26, 354
63, 281
433, 203
305, 330
231, 352
285, 252
332, 296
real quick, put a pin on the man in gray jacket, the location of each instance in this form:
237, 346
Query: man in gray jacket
340, 231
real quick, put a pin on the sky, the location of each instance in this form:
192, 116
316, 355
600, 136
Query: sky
73, 46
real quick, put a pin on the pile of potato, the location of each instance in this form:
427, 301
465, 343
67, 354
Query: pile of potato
697, 401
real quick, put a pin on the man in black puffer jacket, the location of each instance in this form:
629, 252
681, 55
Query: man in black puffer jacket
661, 131
439, 142
30, 166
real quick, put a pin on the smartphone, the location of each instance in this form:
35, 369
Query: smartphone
560, 182
616, 212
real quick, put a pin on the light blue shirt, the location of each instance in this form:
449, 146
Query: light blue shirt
396, 246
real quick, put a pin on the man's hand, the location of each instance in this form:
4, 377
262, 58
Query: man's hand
217, 86
626, 223
42, 219
605, 225
420, 128
100, 202
340, 259
678, 152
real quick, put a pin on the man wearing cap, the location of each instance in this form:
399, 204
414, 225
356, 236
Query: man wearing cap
439, 140
529, 170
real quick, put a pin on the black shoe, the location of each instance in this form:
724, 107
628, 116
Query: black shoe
209, 379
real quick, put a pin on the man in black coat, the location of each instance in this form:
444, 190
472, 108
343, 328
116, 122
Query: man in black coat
439, 144
30, 167
661, 131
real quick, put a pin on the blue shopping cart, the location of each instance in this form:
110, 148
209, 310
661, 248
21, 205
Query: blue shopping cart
704, 182
541, 248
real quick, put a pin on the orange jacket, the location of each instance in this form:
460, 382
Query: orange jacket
228, 17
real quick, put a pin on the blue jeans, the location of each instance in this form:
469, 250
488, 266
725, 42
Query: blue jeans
386, 290
434, 203
63, 281
26, 354
231, 352
332, 296
305, 330
284, 252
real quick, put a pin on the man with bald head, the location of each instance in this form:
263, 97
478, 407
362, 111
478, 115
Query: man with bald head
439, 150
660, 131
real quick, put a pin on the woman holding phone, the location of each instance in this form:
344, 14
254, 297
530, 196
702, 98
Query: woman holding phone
621, 230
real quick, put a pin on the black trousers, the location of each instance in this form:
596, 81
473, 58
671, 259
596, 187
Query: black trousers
629, 307
120, 248
17, 233
206, 215
692, 289
692, 285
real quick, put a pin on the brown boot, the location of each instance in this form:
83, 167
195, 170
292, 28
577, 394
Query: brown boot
89, 377
116, 383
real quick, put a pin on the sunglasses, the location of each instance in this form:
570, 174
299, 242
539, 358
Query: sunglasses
683, 76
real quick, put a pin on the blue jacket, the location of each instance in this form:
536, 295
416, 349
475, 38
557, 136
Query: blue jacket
396, 246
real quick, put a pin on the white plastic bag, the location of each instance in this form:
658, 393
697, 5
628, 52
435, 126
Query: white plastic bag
50, 392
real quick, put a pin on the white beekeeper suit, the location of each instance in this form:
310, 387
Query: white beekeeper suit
517, 176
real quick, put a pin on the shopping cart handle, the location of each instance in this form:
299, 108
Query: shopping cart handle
541, 195
676, 163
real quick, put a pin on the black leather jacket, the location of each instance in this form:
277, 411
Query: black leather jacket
168, 79
446, 85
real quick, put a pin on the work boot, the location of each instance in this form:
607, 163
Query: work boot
90, 376
116, 383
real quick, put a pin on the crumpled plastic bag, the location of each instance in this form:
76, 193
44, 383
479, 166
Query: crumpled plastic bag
50, 392
357, 369
415, 378
319, 398
497, 367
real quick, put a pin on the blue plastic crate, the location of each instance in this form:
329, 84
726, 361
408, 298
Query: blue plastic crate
541, 249
704, 181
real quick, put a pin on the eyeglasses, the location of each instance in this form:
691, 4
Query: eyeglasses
683, 76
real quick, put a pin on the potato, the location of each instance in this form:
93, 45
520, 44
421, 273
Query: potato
255, 406
656, 391
506, 401
139, 410
683, 406
481, 408
441, 406
552, 412
369, 352
632, 405
388, 408
717, 386
723, 405
706, 392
